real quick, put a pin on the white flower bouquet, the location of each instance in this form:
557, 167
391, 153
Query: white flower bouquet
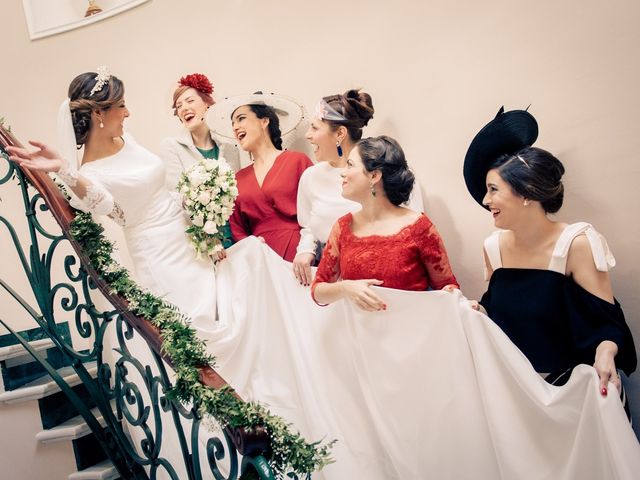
208, 190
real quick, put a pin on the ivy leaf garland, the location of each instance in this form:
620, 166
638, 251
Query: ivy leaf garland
289, 451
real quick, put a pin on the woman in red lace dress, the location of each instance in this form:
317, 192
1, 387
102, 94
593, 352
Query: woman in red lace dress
382, 244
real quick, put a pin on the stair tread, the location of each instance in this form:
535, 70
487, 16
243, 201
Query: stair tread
104, 470
17, 350
72, 429
45, 385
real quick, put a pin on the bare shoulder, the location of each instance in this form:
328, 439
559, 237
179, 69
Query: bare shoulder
411, 216
582, 268
580, 255
487, 264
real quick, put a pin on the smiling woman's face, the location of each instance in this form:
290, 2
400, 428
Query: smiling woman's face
191, 109
248, 129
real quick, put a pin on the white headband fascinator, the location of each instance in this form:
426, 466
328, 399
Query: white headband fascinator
324, 111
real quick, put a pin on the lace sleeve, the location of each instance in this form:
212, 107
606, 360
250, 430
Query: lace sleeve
329, 268
96, 198
434, 255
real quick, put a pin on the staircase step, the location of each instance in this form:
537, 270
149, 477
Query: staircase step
69, 430
17, 350
45, 386
18, 366
34, 334
104, 470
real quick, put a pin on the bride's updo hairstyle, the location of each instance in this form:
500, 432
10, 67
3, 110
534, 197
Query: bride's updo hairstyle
385, 154
356, 107
82, 102
535, 174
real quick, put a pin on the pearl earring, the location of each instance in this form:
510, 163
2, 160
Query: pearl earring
101, 124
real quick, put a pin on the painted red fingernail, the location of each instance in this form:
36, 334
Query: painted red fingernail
604, 391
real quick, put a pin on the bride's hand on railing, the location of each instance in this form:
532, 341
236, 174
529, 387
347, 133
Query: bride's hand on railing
360, 293
302, 268
44, 159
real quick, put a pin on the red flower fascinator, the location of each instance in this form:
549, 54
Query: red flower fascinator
198, 81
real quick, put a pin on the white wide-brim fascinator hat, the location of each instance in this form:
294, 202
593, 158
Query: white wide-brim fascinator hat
290, 112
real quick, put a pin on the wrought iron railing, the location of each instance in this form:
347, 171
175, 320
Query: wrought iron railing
129, 394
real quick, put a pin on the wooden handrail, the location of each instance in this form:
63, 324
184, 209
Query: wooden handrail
247, 443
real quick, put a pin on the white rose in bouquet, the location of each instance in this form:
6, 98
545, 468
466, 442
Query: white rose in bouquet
205, 197
210, 227
209, 164
198, 220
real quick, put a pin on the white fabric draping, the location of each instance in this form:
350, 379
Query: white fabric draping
428, 388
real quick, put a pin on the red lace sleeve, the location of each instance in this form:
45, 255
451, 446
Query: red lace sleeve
329, 268
433, 254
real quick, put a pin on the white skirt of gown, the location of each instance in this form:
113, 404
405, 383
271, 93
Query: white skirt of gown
428, 388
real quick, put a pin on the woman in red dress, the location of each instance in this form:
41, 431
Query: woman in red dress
267, 189
382, 244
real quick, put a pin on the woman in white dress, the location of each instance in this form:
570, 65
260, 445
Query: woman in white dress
124, 181
334, 130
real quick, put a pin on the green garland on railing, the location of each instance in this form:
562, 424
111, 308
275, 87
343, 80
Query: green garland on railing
289, 451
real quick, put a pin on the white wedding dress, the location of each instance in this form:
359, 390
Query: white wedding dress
154, 227
426, 389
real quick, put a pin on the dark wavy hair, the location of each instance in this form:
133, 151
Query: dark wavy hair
385, 154
81, 103
265, 111
356, 106
534, 174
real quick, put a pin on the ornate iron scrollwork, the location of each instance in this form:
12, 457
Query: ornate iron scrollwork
146, 433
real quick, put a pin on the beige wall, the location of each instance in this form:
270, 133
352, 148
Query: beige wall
437, 72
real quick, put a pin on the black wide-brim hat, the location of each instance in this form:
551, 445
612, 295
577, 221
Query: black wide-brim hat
507, 133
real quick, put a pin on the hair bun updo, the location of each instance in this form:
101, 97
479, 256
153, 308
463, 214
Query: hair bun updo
82, 102
359, 107
535, 174
386, 155
356, 107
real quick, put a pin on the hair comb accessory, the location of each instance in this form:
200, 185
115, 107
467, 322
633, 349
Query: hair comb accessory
198, 81
522, 160
102, 78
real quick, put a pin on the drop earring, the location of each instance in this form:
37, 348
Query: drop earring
101, 124
339, 148
373, 190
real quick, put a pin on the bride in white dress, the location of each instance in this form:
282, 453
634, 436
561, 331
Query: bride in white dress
124, 181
